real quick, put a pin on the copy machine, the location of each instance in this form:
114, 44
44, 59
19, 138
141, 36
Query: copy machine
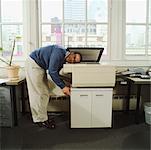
91, 94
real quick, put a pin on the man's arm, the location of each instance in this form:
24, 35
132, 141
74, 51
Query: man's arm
56, 62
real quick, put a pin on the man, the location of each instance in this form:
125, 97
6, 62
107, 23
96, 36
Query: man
49, 58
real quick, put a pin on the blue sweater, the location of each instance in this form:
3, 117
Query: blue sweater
51, 58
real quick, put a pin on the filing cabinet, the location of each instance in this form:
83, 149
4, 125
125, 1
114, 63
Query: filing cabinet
91, 107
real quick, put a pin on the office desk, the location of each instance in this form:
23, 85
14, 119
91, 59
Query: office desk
8, 101
138, 82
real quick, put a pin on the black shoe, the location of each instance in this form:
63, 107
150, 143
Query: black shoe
47, 124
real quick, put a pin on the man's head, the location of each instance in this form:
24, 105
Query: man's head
74, 57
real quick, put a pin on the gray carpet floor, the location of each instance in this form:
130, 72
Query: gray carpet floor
125, 134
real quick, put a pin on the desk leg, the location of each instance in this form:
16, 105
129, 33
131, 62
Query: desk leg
128, 97
138, 103
23, 98
13, 98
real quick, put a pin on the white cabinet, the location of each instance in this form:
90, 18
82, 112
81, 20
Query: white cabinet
91, 107
80, 108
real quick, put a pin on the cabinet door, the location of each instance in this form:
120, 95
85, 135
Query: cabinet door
101, 108
80, 109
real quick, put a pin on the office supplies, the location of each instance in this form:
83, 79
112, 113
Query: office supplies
142, 76
145, 76
127, 73
137, 70
134, 72
135, 75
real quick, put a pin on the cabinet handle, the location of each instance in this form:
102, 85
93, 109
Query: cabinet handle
83, 95
99, 95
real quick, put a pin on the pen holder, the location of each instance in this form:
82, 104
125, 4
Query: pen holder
13, 72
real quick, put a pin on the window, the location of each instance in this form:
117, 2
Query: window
74, 22
122, 27
138, 27
11, 27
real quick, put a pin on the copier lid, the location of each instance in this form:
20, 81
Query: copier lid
89, 54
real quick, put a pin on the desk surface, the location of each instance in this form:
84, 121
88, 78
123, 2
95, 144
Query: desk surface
14, 82
137, 80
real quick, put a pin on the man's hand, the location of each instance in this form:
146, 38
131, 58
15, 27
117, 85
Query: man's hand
66, 90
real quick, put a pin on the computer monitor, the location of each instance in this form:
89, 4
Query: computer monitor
88, 54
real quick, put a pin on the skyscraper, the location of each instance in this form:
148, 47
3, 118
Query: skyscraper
74, 10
